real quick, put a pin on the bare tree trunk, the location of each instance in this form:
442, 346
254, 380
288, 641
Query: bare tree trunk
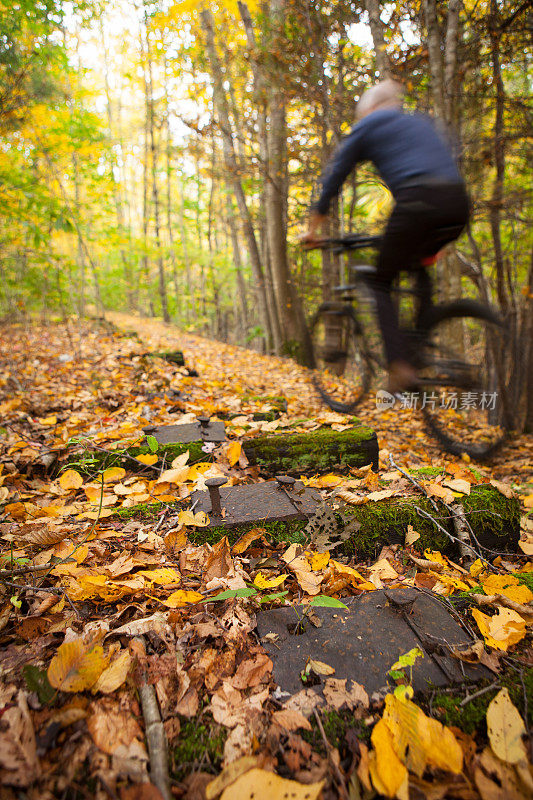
155, 191
241, 286
376, 29
435, 57
168, 153
221, 106
260, 96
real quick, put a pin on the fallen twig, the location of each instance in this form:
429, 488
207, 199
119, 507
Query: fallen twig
525, 611
155, 734
470, 697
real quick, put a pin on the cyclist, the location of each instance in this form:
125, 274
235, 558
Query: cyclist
418, 167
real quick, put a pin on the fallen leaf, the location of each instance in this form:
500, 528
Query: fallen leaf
411, 536
147, 458
243, 543
234, 453
508, 585
70, 480
504, 488
257, 784
501, 630
506, 728
291, 720
114, 675
436, 490
383, 570
229, 775
76, 666
457, 485
262, 582
113, 474
337, 695
382, 495
419, 740
181, 598
19, 765
389, 776
319, 667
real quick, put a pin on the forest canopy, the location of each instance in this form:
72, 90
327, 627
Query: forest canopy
160, 157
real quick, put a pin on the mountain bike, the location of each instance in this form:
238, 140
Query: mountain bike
455, 348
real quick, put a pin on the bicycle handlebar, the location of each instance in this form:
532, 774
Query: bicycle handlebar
352, 241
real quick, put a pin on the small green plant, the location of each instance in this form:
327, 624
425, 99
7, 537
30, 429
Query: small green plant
404, 689
152, 443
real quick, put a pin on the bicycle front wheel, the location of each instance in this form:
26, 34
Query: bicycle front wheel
463, 377
343, 364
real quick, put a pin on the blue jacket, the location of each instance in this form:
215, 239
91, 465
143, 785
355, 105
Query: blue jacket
403, 147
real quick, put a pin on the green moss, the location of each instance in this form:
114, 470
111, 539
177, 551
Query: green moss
431, 471
200, 742
315, 451
336, 725
172, 356
493, 517
525, 578
471, 717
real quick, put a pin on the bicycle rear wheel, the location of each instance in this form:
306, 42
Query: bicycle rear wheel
343, 363
462, 379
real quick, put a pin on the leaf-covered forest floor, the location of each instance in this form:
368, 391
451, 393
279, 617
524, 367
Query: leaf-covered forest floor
110, 630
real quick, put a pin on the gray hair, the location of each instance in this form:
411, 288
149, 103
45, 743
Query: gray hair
387, 94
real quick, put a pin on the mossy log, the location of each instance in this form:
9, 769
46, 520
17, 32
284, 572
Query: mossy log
315, 451
172, 356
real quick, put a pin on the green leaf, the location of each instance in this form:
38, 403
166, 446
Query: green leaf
37, 681
404, 691
396, 674
323, 601
408, 659
276, 596
152, 443
229, 593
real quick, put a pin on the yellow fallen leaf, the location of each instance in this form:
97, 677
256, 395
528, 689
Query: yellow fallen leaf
447, 584
229, 775
351, 497
477, 568
505, 728
318, 561
147, 458
113, 474
509, 586
161, 576
114, 675
527, 500
104, 512
16, 510
198, 520
436, 557
76, 666
322, 481
70, 480
234, 453
198, 469
48, 421
181, 598
419, 740
389, 776
353, 577
262, 582
503, 629
257, 784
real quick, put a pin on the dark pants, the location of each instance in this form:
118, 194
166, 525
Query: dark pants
413, 232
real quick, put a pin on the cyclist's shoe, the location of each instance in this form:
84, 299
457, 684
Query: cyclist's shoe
402, 376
